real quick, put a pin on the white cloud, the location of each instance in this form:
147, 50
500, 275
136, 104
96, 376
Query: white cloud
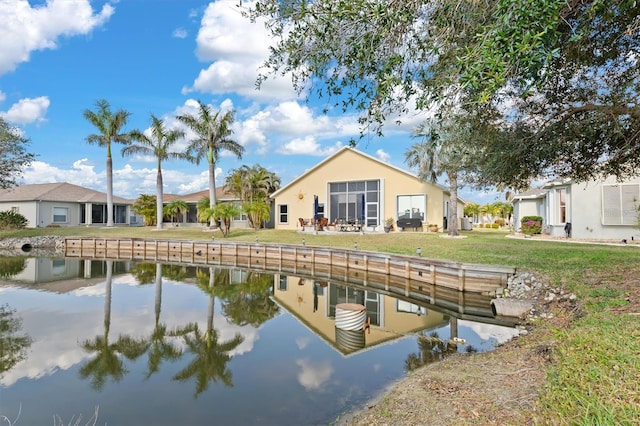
236, 48
27, 110
313, 375
128, 181
308, 146
81, 173
225, 33
382, 155
25, 28
179, 33
3, 96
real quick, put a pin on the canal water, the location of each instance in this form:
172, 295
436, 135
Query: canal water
145, 343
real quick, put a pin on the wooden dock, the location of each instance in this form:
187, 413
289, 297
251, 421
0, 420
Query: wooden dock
398, 274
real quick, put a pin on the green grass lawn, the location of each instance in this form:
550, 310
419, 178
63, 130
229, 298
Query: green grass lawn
595, 376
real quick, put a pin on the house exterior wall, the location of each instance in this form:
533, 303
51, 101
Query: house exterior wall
40, 213
528, 207
28, 209
349, 166
587, 212
297, 297
42, 270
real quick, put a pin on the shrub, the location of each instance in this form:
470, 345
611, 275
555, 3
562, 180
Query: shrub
12, 220
531, 225
499, 222
495, 225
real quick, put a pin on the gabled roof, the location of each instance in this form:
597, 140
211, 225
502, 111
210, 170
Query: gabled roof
221, 195
355, 151
531, 194
61, 191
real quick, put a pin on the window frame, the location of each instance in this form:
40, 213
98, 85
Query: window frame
283, 214
619, 204
59, 209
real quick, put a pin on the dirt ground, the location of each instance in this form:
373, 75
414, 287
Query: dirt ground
495, 388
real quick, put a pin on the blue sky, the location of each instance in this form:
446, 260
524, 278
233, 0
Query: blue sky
58, 57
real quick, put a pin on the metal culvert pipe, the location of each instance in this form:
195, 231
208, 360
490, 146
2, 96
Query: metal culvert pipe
510, 307
350, 316
26, 248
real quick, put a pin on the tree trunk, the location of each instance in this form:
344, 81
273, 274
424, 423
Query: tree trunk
109, 191
159, 198
453, 205
212, 191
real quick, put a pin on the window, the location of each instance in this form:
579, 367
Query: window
58, 267
283, 213
411, 206
562, 205
120, 214
356, 200
60, 215
620, 204
282, 283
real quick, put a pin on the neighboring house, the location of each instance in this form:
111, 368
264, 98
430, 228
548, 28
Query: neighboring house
351, 185
65, 204
191, 217
606, 209
528, 203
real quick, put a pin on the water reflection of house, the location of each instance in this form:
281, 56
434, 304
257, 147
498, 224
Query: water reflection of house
314, 303
62, 275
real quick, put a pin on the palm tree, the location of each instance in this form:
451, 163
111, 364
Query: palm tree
225, 212
158, 143
253, 185
110, 127
472, 210
438, 152
212, 135
175, 208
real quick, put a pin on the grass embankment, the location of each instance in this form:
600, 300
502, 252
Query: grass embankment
595, 374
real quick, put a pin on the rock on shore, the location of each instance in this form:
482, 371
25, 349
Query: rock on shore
50, 245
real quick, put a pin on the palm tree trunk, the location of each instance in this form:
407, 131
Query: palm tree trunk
158, 300
107, 297
109, 191
453, 205
159, 198
212, 191
211, 303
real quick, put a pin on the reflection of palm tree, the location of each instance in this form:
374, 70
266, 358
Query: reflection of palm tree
159, 348
107, 362
144, 273
211, 356
250, 302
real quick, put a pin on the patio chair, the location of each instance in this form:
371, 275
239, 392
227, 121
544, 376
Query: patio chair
333, 224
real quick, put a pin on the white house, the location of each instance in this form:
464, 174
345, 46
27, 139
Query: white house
65, 204
605, 209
